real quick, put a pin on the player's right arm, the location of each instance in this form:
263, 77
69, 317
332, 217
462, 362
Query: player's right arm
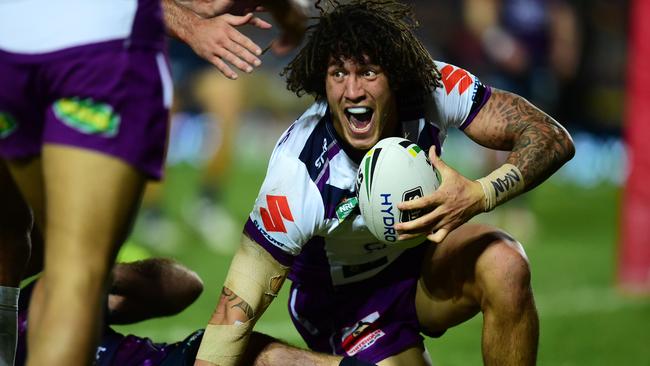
254, 280
216, 39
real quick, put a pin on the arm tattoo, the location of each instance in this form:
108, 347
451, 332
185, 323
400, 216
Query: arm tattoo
234, 301
539, 145
247, 309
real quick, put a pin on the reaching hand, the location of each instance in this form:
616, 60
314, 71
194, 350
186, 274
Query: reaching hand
292, 22
218, 41
457, 200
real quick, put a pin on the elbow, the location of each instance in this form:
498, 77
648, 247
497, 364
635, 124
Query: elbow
568, 147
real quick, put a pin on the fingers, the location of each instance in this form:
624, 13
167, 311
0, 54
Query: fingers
260, 23
235, 48
223, 67
438, 236
428, 201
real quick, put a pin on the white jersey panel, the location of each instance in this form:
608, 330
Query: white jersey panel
455, 98
41, 26
288, 210
287, 183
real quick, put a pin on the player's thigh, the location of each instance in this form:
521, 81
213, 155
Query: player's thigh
453, 274
91, 201
414, 356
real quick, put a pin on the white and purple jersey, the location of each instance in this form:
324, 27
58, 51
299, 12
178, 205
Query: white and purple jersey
301, 215
32, 27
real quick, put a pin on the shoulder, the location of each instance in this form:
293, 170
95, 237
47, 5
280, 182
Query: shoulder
297, 136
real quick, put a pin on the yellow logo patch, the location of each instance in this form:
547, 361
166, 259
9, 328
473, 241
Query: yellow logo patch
7, 125
88, 116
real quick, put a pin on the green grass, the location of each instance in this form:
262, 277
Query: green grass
583, 319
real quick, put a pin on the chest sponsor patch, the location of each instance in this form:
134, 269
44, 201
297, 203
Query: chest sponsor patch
7, 125
87, 116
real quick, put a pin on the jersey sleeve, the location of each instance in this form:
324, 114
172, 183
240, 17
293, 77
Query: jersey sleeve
461, 96
288, 210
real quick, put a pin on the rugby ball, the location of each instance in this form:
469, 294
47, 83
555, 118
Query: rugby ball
394, 170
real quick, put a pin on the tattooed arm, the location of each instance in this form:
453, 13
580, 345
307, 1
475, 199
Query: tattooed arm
254, 280
538, 147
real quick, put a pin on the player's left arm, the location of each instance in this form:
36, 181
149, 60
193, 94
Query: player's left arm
538, 147
150, 288
253, 281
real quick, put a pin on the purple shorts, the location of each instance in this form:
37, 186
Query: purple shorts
108, 97
371, 320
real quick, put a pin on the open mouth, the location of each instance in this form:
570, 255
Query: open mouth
360, 118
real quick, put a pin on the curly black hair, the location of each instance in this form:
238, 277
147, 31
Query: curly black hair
382, 31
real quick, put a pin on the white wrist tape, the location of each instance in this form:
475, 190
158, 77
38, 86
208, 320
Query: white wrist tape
501, 185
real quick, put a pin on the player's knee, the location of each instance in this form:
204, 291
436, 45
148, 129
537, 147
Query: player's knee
504, 275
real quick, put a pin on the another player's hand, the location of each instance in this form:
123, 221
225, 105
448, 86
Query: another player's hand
457, 200
218, 41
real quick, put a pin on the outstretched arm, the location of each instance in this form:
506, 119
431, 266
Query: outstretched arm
216, 39
538, 147
253, 281
150, 288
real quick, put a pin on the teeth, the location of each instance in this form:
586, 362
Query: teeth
358, 110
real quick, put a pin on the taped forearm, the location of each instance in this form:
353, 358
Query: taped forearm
253, 281
501, 185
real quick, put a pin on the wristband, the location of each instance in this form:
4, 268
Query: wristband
501, 185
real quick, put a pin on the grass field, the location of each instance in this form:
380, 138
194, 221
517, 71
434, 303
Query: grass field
584, 320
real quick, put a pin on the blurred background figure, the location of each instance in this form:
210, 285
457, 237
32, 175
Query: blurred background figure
566, 56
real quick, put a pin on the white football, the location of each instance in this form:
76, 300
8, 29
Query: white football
394, 170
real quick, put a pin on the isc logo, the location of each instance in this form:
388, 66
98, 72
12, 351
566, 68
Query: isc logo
409, 195
277, 212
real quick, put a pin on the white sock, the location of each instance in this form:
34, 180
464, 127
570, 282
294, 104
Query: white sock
8, 324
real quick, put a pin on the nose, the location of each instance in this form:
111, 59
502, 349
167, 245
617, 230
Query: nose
354, 90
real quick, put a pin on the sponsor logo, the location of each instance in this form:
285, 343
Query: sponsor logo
388, 217
321, 158
278, 211
7, 125
87, 116
345, 208
502, 184
452, 76
362, 335
267, 236
409, 195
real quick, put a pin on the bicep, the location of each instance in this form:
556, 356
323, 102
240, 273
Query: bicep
501, 120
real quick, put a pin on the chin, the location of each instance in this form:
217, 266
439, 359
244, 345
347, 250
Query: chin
363, 145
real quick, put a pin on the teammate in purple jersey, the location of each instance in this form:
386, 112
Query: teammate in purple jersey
351, 295
160, 287
83, 123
